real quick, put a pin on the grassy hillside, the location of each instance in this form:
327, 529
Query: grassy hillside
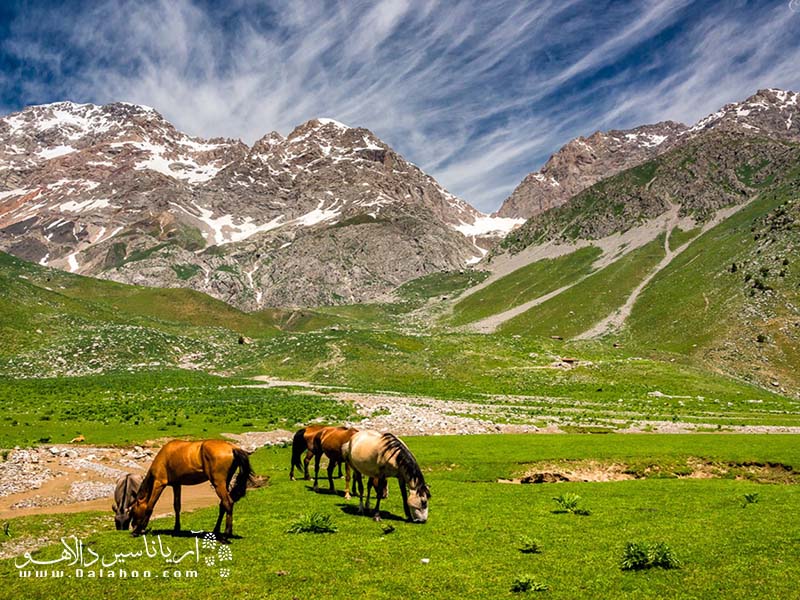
525, 284
129, 408
731, 299
575, 310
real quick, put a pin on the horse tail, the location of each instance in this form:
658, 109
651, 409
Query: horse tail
299, 446
241, 461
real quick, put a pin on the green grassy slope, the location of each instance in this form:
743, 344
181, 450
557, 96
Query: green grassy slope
523, 285
590, 301
109, 300
731, 299
132, 407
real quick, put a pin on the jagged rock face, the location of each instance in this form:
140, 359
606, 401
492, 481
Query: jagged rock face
585, 161
774, 113
327, 214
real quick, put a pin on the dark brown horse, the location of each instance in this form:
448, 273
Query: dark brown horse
383, 455
189, 463
303, 441
124, 497
329, 441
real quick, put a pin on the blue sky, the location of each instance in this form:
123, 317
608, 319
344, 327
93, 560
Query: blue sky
476, 93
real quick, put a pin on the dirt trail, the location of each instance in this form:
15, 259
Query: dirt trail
613, 247
192, 497
616, 320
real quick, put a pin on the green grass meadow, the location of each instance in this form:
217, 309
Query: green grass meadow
472, 538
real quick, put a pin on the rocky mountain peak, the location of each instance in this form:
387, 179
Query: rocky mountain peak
584, 161
768, 111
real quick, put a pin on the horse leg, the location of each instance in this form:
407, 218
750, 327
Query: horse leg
377, 515
307, 460
176, 504
404, 494
346, 481
331, 467
357, 479
340, 469
155, 494
316, 470
225, 507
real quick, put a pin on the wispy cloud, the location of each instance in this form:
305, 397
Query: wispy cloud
476, 93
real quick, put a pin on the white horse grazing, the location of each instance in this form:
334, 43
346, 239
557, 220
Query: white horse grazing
383, 455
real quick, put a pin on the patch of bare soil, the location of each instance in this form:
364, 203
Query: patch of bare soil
692, 468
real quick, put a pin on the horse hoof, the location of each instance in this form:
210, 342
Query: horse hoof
347, 496
377, 518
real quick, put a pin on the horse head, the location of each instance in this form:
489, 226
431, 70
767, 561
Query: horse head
418, 503
122, 517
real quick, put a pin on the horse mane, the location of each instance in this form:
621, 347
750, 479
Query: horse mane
406, 463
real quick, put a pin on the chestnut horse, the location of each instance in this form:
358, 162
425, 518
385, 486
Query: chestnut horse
189, 463
378, 455
303, 441
329, 441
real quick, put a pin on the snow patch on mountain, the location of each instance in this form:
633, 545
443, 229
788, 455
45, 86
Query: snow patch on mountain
488, 225
55, 152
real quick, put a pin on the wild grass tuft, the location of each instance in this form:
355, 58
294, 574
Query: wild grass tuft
313, 523
638, 556
526, 583
570, 503
750, 498
528, 545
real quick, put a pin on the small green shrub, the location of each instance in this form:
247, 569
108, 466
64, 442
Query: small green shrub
750, 498
527, 583
644, 555
313, 523
529, 545
569, 503
661, 555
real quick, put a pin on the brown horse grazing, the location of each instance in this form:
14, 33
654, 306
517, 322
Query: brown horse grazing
124, 497
303, 441
378, 455
329, 441
189, 463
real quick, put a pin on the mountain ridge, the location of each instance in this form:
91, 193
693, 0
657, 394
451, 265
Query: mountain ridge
584, 161
116, 191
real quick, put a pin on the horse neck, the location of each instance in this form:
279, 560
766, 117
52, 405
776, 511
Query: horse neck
147, 486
